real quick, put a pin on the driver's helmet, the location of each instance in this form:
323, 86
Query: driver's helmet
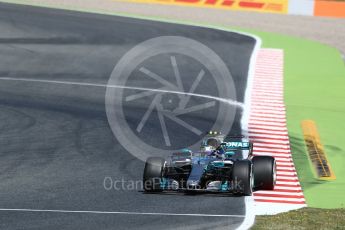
213, 142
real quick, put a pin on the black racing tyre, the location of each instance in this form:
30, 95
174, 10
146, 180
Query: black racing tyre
153, 173
264, 170
242, 177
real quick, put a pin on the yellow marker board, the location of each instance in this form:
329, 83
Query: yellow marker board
316, 151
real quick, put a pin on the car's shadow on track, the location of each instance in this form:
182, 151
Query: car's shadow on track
201, 194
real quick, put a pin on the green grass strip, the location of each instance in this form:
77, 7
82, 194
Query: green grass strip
306, 218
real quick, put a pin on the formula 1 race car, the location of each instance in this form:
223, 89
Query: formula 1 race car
213, 169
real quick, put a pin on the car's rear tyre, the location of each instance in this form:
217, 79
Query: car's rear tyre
153, 174
242, 177
264, 169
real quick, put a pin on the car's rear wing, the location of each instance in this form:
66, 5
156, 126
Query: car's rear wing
238, 145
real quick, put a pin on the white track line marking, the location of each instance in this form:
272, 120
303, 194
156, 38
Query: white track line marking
228, 101
122, 213
249, 200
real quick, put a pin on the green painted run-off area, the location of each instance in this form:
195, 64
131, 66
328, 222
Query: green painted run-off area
315, 89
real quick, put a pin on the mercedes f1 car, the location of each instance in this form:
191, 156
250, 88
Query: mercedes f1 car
213, 169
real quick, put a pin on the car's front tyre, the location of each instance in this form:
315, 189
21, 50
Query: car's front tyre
242, 177
153, 174
264, 169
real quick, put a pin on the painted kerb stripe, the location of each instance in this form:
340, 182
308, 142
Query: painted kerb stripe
270, 135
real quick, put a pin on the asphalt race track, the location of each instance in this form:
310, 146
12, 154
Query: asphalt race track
56, 145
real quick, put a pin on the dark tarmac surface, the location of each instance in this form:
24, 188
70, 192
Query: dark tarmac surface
57, 147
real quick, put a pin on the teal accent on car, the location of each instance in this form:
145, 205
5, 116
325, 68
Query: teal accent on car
218, 164
164, 183
224, 186
237, 145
